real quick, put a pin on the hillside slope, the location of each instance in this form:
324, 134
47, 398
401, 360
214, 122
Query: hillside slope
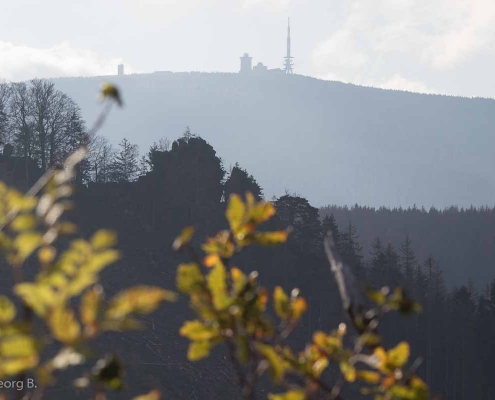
331, 142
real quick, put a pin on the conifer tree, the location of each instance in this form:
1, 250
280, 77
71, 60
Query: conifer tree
125, 167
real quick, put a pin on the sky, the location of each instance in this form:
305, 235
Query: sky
429, 46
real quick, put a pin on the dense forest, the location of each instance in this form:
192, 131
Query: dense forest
149, 198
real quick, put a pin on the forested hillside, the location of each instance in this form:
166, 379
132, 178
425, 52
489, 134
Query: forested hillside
334, 143
148, 200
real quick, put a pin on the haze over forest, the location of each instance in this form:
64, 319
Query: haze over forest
332, 142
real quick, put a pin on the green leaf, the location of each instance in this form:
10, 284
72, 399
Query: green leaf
198, 350
290, 395
281, 303
218, 286
196, 330
235, 213
189, 278
7, 310
103, 239
278, 365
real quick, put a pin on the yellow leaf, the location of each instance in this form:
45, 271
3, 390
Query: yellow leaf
153, 395
7, 310
46, 254
235, 213
111, 92
18, 346
14, 366
23, 222
376, 296
262, 212
91, 303
399, 355
218, 286
368, 376
197, 331
138, 300
278, 365
239, 279
82, 281
211, 260
281, 302
319, 366
290, 395
298, 307
348, 371
100, 260
67, 228
64, 325
36, 297
25, 243
271, 238
198, 350
184, 238
103, 239
189, 278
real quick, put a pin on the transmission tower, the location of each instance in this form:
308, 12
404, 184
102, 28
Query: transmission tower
288, 59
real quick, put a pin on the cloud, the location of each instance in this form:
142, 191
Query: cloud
380, 37
398, 82
20, 62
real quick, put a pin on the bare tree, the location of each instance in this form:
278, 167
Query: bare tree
5, 93
101, 158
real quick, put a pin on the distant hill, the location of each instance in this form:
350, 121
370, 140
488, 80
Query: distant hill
331, 142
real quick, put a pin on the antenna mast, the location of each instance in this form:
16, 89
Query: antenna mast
288, 59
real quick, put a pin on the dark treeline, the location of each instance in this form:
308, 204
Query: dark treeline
149, 199
462, 239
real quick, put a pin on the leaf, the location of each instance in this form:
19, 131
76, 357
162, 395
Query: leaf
64, 325
25, 243
348, 371
36, 297
23, 222
368, 376
91, 303
103, 239
14, 366
290, 395
271, 238
277, 363
239, 279
281, 302
109, 91
399, 355
197, 331
18, 346
298, 307
138, 300
184, 238
46, 254
211, 260
189, 278
153, 395
198, 350
218, 286
376, 296
102, 259
235, 213
7, 310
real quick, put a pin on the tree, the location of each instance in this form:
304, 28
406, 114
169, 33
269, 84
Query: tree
295, 211
5, 93
101, 159
240, 182
125, 165
407, 260
351, 250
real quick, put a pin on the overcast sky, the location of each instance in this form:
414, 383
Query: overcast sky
435, 46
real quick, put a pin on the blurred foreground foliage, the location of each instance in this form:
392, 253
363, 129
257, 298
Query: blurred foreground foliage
50, 321
231, 309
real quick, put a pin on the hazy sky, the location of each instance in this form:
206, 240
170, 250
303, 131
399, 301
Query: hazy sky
434, 46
